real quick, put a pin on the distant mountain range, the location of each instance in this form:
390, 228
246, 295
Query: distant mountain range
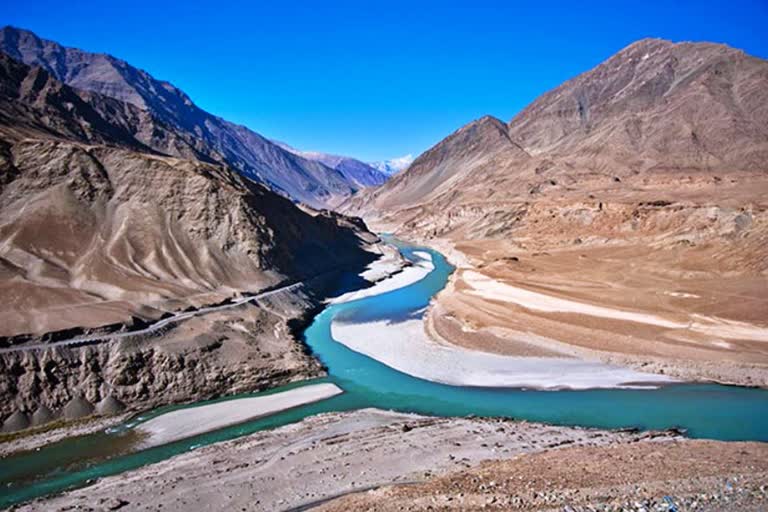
393, 166
358, 173
187, 130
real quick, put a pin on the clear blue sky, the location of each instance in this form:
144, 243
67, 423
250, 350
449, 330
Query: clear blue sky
375, 79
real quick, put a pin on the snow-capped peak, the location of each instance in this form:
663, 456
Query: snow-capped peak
394, 165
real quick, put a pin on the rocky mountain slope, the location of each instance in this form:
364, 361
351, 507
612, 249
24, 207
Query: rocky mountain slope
196, 133
359, 174
656, 106
444, 172
93, 226
639, 185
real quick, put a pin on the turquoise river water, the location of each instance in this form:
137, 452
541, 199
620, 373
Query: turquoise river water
703, 410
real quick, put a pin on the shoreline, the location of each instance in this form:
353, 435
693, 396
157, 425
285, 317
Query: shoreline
406, 347
25, 441
406, 276
189, 422
409, 347
326, 455
724, 372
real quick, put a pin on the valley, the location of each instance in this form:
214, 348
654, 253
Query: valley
569, 309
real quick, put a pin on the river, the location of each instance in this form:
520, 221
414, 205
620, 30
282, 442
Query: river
703, 410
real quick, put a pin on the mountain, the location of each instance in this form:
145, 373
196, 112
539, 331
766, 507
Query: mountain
393, 166
96, 227
650, 114
433, 178
195, 132
656, 105
359, 174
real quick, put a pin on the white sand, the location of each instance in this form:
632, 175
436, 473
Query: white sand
418, 271
405, 347
489, 288
190, 422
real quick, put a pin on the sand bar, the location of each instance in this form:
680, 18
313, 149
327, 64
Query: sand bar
192, 421
405, 347
489, 288
409, 275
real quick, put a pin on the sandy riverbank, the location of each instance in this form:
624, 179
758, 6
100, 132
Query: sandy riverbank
326, 456
407, 276
406, 347
47, 434
193, 421
627, 306
390, 262
492, 289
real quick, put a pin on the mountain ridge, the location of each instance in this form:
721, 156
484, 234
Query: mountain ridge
219, 140
654, 107
640, 185
114, 229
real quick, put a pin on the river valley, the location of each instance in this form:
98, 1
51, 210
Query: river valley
702, 410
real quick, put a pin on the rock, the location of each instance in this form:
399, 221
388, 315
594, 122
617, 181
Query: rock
116, 503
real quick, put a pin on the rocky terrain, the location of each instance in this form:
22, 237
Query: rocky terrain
251, 347
686, 475
100, 232
638, 187
184, 130
302, 465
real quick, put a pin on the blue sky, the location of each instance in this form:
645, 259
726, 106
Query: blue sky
376, 79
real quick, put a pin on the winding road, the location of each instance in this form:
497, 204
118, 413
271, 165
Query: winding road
175, 318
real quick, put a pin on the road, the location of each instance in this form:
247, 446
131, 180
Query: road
175, 318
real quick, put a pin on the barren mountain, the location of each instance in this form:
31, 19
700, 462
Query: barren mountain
653, 112
90, 223
443, 172
639, 186
657, 106
202, 135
